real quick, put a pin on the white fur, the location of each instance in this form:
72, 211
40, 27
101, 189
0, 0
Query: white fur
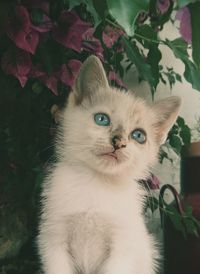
92, 206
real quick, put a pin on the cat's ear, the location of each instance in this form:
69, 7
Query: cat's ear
91, 77
166, 111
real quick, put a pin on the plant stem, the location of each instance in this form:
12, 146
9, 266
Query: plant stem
143, 37
136, 34
148, 39
113, 24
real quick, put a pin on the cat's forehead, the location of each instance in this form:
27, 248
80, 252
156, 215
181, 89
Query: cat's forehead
120, 103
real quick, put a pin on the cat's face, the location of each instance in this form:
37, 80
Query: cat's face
112, 131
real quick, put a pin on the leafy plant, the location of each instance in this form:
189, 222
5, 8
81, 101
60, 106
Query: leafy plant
185, 223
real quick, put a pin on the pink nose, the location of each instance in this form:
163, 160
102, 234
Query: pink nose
118, 142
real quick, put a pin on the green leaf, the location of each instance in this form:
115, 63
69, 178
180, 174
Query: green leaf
144, 69
191, 73
74, 3
164, 155
174, 130
178, 77
196, 221
154, 55
152, 203
147, 32
176, 219
100, 7
190, 227
171, 78
125, 12
179, 47
188, 210
185, 134
153, 58
186, 223
195, 22
176, 143
180, 121
182, 3
36, 16
37, 87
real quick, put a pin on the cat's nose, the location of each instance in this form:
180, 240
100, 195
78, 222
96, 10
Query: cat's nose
118, 142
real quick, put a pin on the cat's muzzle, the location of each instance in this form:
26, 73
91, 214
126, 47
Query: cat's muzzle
118, 142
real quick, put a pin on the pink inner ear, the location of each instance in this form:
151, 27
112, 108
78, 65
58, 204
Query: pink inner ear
91, 77
167, 111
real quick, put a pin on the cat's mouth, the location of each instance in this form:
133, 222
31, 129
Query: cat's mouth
110, 156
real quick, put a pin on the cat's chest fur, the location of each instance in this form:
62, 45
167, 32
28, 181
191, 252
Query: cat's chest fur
73, 191
92, 213
88, 240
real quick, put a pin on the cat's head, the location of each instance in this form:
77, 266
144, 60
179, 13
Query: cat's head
110, 130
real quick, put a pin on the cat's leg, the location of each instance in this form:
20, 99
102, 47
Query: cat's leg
128, 255
53, 251
121, 259
56, 261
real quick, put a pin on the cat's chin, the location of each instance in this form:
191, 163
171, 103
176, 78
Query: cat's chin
109, 163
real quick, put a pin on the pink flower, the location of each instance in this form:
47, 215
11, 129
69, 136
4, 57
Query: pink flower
183, 15
153, 182
110, 36
112, 76
20, 32
74, 68
44, 26
65, 74
49, 81
68, 73
92, 44
163, 5
70, 30
17, 63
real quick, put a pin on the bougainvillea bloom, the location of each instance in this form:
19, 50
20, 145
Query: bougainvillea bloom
49, 81
92, 44
70, 30
18, 63
110, 36
183, 15
65, 74
69, 72
153, 182
163, 5
20, 32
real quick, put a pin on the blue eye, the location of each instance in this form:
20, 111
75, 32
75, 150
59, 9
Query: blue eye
102, 119
139, 136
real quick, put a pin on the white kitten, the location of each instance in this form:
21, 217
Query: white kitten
92, 203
